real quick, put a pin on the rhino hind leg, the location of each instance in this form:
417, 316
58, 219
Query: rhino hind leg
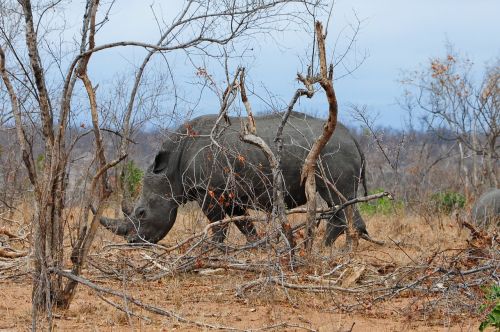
337, 224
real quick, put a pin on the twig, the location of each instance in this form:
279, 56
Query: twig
164, 312
148, 307
400, 248
11, 220
3, 231
118, 134
11, 253
282, 326
240, 292
122, 308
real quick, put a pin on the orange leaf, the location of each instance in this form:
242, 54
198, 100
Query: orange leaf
222, 198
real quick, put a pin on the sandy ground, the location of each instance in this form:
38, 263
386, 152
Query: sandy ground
212, 299
209, 299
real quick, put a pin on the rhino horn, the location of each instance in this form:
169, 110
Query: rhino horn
117, 226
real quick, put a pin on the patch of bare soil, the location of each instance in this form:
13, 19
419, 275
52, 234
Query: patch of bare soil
212, 300
333, 291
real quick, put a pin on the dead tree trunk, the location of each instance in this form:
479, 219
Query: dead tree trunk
48, 225
99, 188
308, 175
49, 182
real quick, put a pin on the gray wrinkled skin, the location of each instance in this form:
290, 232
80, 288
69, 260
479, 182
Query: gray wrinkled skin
238, 178
486, 210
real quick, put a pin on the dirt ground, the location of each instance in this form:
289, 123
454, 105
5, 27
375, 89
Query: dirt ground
208, 296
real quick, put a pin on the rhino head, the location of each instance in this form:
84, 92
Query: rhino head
154, 213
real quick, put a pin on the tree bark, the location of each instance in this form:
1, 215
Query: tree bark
325, 79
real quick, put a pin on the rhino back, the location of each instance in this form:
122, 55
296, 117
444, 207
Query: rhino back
199, 160
486, 210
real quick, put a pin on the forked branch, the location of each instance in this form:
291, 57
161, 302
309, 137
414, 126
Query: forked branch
249, 135
325, 79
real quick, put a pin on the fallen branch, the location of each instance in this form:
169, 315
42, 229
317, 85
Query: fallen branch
145, 306
325, 213
475, 233
3, 231
283, 326
10, 220
240, 292
164, 312
11, 253
122, 308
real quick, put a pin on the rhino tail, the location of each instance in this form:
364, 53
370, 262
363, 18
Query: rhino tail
363, 176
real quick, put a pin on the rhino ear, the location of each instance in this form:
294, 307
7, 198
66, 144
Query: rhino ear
161, 162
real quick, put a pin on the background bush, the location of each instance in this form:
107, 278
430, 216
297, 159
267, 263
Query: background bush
132, 179
382, 205
447, 201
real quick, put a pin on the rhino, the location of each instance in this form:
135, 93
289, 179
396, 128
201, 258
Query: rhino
486, 209
227, 176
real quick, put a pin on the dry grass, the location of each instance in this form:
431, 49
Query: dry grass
410, 240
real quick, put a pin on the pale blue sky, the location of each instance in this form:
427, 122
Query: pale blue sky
396, 34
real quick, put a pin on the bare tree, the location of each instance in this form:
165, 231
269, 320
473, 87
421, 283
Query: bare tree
309, 171
211, 23
325, 79
50, 182
43, 108
457, 107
